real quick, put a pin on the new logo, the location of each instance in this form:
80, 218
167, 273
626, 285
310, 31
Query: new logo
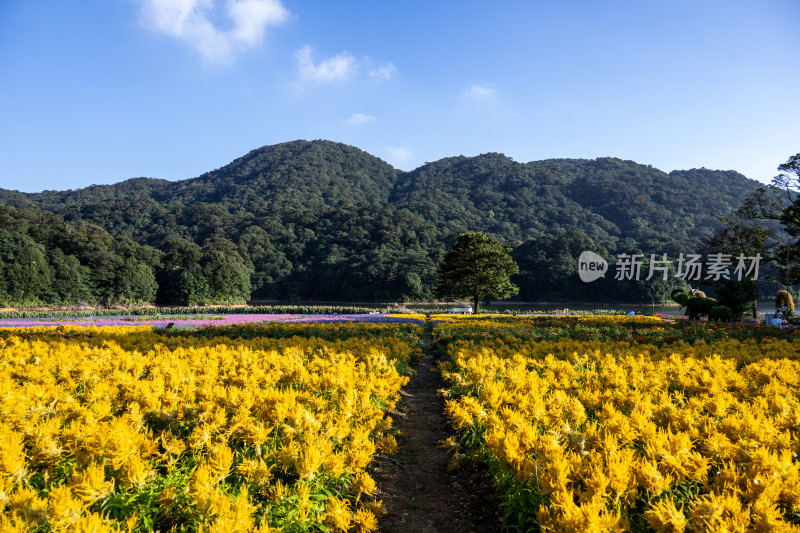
591, 266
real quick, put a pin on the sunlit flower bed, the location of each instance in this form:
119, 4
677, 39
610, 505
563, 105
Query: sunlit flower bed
371, 318
130, 428
417, 318
634, 330
612, 436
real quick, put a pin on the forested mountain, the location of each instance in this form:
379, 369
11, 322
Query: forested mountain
323, 220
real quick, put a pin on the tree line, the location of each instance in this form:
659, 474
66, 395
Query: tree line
45, 260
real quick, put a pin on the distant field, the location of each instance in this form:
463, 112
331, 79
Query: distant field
264, 314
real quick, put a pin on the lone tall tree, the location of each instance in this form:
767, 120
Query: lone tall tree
781, 202
477, 267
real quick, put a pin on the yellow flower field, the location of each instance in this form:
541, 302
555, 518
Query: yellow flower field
129, 429
606, 436
271, 428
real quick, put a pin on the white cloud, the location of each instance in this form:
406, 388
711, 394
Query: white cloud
398, 155
189, 21
356, 119
383, 73
478, 92
251, 17
338, 68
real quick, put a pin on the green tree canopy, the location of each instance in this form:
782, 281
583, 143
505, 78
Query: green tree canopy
180, 278
781, 202
477, 267
227, 275
737, 237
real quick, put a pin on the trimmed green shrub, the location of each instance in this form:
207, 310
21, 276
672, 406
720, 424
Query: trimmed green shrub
784, 299
721, 313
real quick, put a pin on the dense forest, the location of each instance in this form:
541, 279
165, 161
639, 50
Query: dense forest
326, 221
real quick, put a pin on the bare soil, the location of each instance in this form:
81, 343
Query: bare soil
418, 492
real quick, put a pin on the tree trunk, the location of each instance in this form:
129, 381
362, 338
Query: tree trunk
476, 305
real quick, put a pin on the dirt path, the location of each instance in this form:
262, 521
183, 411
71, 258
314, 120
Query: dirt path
418, 492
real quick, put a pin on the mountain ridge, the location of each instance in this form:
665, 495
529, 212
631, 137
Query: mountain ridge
132, 183
322, 219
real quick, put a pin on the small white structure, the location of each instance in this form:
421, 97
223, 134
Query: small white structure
462, 309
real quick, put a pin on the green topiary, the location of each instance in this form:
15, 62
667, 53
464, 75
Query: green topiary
784, 299
680, 297
700, 306
695, 302
721, 313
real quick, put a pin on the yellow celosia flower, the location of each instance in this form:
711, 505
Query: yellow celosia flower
791, 489
25, 506
768, 518
278, 492
90, 485
136, 472
335, 463
236, 518
220, 461
131, 522
596, 482
43, 440
63, 509
363, 484
664, 517
255, 470
287, 455
337, 514
714, 512
203, 490
7, 525
555, 475
569, 517
387, 444
650, 478
375, 507
172, 445
12, 454
364, 521
91, 523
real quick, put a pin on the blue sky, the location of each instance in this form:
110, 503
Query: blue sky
99, 91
